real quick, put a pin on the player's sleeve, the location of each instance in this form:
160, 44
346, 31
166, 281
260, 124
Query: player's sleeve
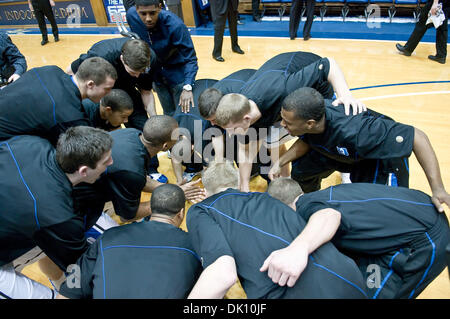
126, 188
63, 243
181, 39
307, 208
380, 138
76, 64
207, 236
13, 55
78, 284
314, 75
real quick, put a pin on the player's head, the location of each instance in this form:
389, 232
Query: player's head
84, 151
160, 132
286, 190
219, 176
135, 57
95, 78
302, 110
168, 200
148, 11
116, 107
233, 113
208, 102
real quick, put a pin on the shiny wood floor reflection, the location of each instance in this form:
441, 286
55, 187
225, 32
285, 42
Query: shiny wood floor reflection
364, 63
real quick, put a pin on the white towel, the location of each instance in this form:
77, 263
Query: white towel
437, 19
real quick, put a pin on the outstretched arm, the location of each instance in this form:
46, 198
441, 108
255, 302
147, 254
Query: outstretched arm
148, 99
284, 266
427, 159
247, 153
344, 96
298, 149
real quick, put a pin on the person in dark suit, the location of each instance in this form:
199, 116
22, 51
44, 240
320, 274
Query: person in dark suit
294, 18
221, 11
255, 10
421, 27
42, 9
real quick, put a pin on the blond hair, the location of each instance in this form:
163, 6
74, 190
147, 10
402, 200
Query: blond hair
285, 189
231, 109
219, 175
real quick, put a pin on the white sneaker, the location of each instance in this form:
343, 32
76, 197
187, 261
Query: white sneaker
189, 176
346, 178
159, 177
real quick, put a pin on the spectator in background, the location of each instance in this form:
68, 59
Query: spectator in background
421, 27
169, 37
255, 10
221, 11
294, 18
12, 62
174, 6
42, 9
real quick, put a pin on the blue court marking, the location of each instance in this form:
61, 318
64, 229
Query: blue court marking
433, 255
397, 84
387, 276
26, 185
156, 247
48, 93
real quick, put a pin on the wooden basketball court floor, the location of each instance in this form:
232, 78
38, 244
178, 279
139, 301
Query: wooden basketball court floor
412, 90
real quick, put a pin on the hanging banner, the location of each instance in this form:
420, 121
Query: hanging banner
113, 6
69, 12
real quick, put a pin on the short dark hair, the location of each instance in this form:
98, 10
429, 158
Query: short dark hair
167, 199
96, 69
117, 100
136, 54
159, 129
82, 145
306, 103
145, 3
208, 102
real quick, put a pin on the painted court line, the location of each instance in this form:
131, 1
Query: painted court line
402, 95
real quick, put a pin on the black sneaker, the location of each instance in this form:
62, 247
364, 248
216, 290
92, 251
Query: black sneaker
44, 41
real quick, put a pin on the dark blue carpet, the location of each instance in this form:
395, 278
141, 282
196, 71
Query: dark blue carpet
320, 29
